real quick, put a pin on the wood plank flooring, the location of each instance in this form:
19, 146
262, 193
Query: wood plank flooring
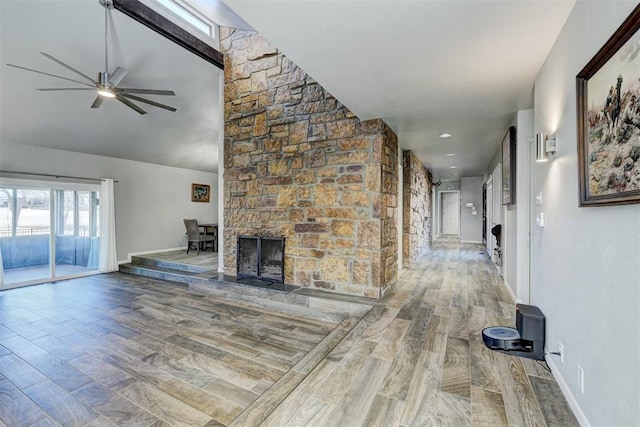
419, 358
123, 350
119, 349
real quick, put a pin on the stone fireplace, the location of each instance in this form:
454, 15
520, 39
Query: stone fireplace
299, 164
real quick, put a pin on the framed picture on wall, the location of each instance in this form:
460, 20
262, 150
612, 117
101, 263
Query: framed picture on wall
608, 100
509, 167
200, 193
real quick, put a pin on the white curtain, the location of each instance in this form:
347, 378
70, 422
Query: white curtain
108, 254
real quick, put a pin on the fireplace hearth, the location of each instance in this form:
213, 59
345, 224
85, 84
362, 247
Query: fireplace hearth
261, 258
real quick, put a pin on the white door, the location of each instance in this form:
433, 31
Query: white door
451, 213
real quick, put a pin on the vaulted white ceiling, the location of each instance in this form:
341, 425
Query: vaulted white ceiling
427, 67
73, 31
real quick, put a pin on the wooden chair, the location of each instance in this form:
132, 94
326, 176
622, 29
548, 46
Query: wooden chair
194, 237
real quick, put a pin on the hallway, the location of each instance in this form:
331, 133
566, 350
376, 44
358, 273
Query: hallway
118, 349
419, 359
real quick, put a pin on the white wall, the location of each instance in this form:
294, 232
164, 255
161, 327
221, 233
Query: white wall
585, 261
515, 227
471, 225
515, 224
509, 247
517, 262
151, 200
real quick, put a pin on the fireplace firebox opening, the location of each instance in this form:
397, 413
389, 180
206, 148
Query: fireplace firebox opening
260, 258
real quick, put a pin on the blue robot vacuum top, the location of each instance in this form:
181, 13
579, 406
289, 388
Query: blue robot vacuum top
501, 338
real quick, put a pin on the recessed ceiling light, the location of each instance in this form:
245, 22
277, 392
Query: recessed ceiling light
445, 135
453, 167
450, 154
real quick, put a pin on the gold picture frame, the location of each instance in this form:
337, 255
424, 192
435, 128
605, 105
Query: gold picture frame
200, 193
608, 101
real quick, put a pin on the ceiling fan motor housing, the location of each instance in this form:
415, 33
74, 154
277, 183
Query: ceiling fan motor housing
103, 79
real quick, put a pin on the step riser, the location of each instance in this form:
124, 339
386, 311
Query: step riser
296, 309
154, 274
150, 262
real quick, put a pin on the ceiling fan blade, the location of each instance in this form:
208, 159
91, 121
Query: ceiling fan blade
130, 104
68, 67
51, 75
66, 88
147, 91
97, 102
147, 101
116, 77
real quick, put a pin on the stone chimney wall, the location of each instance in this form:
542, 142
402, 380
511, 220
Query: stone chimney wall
417, 209
299, 164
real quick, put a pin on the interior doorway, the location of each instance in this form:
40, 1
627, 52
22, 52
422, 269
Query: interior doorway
450, 213
494, 213
489, 215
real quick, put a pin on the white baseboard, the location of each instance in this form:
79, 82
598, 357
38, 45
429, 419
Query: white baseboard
155, 251
470, 241
573, 403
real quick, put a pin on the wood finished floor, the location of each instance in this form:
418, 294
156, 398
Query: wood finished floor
124, 350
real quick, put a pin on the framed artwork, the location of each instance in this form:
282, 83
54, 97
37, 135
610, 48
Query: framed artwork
608, 100
509, 167
200, 192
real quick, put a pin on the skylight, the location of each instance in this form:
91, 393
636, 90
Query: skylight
188, 16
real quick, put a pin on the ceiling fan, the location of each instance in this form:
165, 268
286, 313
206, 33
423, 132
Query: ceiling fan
105, 84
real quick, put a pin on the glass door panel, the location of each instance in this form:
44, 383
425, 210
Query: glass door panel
25, 232
76, 242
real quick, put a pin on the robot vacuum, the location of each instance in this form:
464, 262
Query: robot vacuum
525, 340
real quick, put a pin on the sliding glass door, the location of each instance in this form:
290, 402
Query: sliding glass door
76, 238
48, 231
25, 217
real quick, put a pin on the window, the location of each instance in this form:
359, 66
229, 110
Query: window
77, 214
190, 17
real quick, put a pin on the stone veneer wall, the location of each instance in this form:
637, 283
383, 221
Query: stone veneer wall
417, 208
298, 164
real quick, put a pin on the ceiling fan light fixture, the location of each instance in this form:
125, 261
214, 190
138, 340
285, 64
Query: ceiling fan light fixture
106, 92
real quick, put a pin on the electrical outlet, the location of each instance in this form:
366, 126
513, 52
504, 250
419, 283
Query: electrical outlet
580, 379
561, 351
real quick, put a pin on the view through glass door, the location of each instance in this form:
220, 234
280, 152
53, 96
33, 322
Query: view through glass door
25, 219
36, 222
